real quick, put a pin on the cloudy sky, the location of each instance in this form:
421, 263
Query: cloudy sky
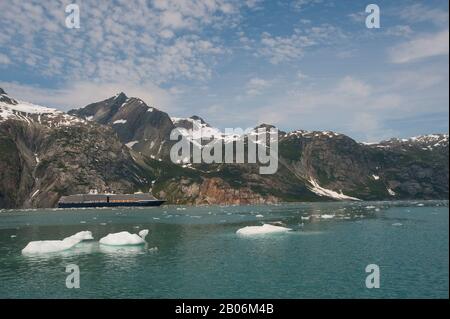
301, 64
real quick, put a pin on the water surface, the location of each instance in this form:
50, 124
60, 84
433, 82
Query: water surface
194, 252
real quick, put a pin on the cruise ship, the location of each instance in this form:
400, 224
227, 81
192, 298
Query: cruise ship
93, 199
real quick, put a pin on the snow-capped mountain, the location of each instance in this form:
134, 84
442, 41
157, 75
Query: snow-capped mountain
122, 144
425, 142
141, 127
45, 153
28, 112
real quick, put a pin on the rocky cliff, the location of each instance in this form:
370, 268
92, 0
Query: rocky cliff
121, 144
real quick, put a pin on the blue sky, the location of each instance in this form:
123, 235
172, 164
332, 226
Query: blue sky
301, 64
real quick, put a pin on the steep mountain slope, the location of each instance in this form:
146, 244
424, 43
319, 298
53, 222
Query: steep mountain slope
143, 128
121, 144
46, 153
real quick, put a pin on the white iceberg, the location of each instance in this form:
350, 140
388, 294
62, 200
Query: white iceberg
264, 229
124, 238
143, 233
51, 246
326, 216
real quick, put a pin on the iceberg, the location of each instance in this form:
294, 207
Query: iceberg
264, 229
124, 238
51, 246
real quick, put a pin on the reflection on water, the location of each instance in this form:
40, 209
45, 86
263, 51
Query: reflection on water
123, 250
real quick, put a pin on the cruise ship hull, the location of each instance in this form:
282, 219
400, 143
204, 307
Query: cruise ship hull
111, 204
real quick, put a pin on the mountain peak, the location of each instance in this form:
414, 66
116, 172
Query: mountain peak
2, 91
264, 125
198, 118
121, 95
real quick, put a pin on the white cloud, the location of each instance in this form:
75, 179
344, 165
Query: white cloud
301, 75
255, 86
359, 108
166, 34
418, 12
399, 31
422, 47
299, 5
279, 49
4, 59
349, 86
138, 41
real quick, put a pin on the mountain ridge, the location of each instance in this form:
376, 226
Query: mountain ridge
126, 146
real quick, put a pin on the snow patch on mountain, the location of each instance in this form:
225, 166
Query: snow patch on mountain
28, 112
321, 191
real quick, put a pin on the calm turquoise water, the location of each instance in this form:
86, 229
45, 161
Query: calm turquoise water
199, 254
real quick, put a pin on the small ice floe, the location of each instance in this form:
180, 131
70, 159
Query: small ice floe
83, 222
370, 207
327, 216
420, 205
51, 246
259, 230
397, 224
153, 249
156, 218
13, 236
259, 216
103, 224
305, 217
124, 238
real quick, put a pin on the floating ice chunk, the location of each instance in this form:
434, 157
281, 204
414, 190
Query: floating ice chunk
264, 229
124, 238
397, 224
326, 216
305, 217
82, 235
51, 246
143, 233
259, 216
